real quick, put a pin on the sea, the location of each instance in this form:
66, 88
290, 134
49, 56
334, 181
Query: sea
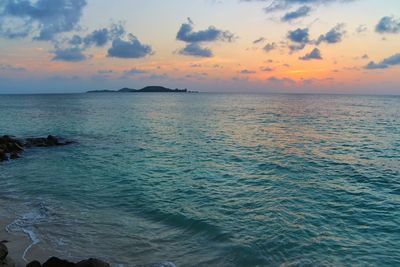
207, 179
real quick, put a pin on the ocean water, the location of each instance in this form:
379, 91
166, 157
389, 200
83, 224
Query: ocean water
208, 179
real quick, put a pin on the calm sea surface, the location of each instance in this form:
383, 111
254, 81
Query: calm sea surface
208, 179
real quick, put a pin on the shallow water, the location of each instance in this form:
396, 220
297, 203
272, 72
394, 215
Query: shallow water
209, 179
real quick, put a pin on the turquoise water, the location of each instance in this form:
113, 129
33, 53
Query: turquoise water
209, 179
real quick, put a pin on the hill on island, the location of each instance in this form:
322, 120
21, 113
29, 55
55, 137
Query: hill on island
147, 89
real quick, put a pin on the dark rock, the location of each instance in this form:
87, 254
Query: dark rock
14, 155
11, 147
3, 251
7, 263
3, 155
56, 262
46, 142
92, 263
34, 264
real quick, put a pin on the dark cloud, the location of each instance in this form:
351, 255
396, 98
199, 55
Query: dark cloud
102, 36
259, 40
47, 18
75, 40
299, 39
132, 48
388, 25
193, 39
314, 54
194, 49
97, 37
73, 54
186, 34
385, 63
299, 35
333, 36
373, 66
78, 43
269, 47
302, 11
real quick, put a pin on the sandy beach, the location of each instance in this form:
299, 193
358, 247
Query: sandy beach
19, 242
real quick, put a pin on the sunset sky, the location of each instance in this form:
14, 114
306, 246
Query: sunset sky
313, 46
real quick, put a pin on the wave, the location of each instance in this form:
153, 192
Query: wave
27, 222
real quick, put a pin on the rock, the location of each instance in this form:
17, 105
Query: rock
34, 264
3, 155
14, 155
92, 263
11, 147
56, 262
8, 262
3, 251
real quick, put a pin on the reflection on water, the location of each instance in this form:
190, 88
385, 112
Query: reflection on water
210, 179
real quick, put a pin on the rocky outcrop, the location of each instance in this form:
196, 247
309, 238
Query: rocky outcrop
34, 264
56, 262
12, 148
5, 261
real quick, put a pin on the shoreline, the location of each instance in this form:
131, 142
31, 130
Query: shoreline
22, 249
18, 242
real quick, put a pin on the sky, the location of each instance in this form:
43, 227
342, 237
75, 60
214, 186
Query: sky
288, 46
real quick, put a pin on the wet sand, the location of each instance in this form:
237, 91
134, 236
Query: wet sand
19, 242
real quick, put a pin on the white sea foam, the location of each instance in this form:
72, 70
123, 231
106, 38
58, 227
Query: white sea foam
26, 223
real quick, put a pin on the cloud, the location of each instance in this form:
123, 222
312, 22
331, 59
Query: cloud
186, 34
281, 82
269, 47
388, 25
373, 66
299, 39
47, 18
333, 36
266, 69
314, 54
385, 63
7, 67
132, 48
246, 71
75, 40
102, 36
259, 40
278, 5
194, 49
361, 28
97, 37
194, 39
73, 54
105, 72
73, 48
134, 71
302, 11
299, 35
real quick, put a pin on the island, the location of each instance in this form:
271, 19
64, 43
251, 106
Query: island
147, 89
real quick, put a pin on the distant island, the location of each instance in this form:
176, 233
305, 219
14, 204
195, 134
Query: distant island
147, 89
